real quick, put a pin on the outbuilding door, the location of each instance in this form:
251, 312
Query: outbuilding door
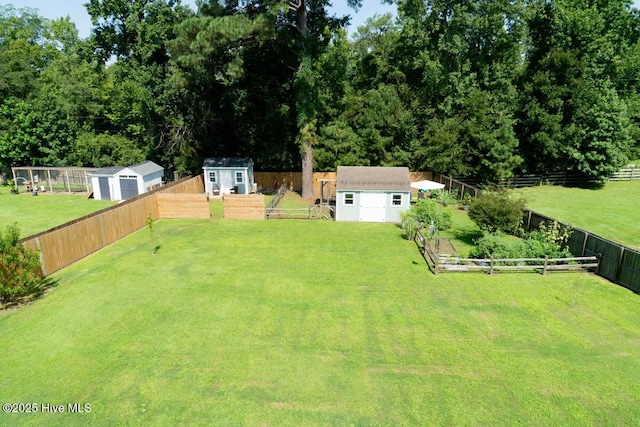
128, 188
226, 181
372, 207
103, 183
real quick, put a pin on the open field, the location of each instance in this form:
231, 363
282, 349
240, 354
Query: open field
612, 212
316, 323
39, 213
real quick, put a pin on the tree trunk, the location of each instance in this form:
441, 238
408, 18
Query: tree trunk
307, 168
306, 139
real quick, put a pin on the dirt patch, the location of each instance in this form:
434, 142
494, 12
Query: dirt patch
444, 246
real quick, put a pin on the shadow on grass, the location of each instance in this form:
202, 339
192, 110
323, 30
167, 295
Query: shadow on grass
37, 292
467, 236
587, 185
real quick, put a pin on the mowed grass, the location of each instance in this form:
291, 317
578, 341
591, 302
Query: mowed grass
612, 212
39, 213
296, 323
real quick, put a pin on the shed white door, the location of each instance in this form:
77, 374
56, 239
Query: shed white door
372, 207
226, 181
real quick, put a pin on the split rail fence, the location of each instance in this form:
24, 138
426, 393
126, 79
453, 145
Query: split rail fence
439, 262
70, 242
616, 263
629, 173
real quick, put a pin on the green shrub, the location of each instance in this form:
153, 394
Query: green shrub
492, 245
409, 224
497, 211
445, 198
427, 210
534, 245
20, 271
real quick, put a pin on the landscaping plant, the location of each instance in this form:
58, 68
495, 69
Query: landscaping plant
549, 240
427, 210
496, 210
410, 224
149, 223
20, 272
445, 198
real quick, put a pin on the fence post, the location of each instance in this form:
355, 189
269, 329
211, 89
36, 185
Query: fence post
491, 265
436, 261
544, 269
620, 266
584, 243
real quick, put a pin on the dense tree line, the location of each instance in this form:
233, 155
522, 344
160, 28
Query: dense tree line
483, 87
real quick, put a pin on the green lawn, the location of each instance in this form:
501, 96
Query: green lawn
39, 213
294, 323
462, 233
612, 211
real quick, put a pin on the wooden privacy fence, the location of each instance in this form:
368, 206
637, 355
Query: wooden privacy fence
518, 181
618, 263
452, 184
183, 205
629, 173
244, 206
70, 242
272, 181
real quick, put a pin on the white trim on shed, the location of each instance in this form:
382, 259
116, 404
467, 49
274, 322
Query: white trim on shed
224, 175
122, 183
372, 194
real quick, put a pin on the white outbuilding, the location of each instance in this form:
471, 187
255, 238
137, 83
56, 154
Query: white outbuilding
225, 175
122, 183
372, 194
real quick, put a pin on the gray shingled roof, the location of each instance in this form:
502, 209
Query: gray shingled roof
227, 162
146, 168
373, 178
109, 170
143, 169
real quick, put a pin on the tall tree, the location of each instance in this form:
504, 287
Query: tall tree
135, 35
571, 116
314, 33
461, 58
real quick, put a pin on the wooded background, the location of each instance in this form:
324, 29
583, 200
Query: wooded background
468, 88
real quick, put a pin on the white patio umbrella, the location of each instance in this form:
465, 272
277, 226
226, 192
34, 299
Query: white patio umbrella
427, 185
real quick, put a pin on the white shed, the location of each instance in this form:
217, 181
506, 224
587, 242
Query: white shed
225, 175
372, 194
122, 183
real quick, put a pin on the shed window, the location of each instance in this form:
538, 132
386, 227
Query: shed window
239, 178
212, 177
348, 198
396, 200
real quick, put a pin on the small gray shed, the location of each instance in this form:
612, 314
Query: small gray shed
122, 183
372, 194
225, 175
